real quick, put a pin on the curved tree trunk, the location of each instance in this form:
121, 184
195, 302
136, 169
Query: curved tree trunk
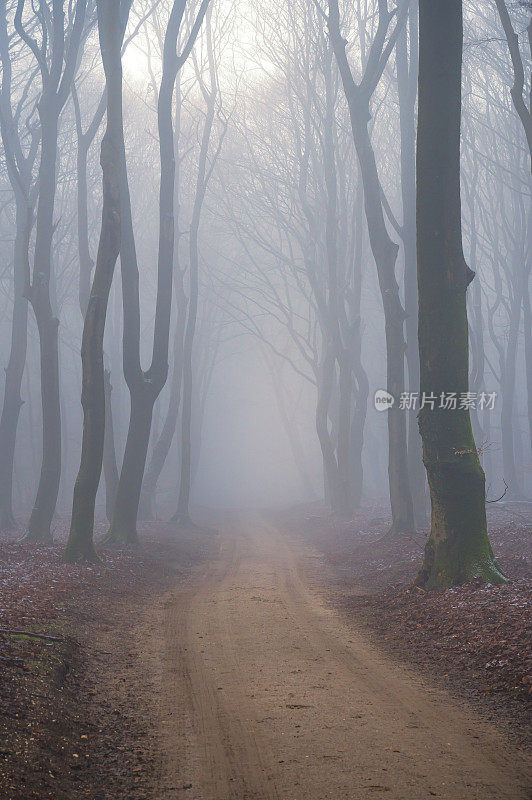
384, 251
56, 83
80, 546
145, 387
458, 548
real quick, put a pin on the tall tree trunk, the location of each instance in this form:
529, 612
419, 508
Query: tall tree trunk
358, 423
161, 448
384, 252
17, 360
458, 548
407, 69
182, 515
86, 265
145, 387
19, 166
508, 410
330, 464
528, 335
56, 82
39, 526
291, 430
80, 546
148, 499
340, 495
110, 467
354, 343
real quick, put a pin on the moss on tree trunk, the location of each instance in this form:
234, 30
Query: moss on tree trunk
458, 548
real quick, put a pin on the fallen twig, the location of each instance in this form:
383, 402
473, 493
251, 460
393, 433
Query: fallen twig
502, 495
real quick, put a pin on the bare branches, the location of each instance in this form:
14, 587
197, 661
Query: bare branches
525, 114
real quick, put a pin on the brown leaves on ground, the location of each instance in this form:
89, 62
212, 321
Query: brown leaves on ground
476, 638
66, 730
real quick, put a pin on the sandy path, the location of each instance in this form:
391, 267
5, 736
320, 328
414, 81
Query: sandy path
266, 693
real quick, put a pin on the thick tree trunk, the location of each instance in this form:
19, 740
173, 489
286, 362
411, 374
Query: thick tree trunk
80, 546
458, 548
15, 368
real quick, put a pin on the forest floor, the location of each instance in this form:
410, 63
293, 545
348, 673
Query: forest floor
475, 639
281, 657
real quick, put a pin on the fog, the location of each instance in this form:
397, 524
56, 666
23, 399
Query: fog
265, 399
286, 260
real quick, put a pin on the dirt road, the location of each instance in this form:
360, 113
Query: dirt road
266, 693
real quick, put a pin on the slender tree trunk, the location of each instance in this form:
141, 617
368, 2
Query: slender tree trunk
15, 368
148, 494
110, 467
407, 68
345, 387
339, 463
57, 65
123, 528
358, 424
508, 409
528, 342
145, 387
325, 383
291, 431
385, 254
458, 548
39, 526
147, 505
182, 515
80, 546
354, 343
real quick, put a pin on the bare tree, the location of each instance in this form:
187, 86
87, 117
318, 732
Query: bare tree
112, 19
209, 90
458, 548
56, 55
519, 85
20, 139
145, 386
384, 249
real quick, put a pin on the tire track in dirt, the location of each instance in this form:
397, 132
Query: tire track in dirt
267, 694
